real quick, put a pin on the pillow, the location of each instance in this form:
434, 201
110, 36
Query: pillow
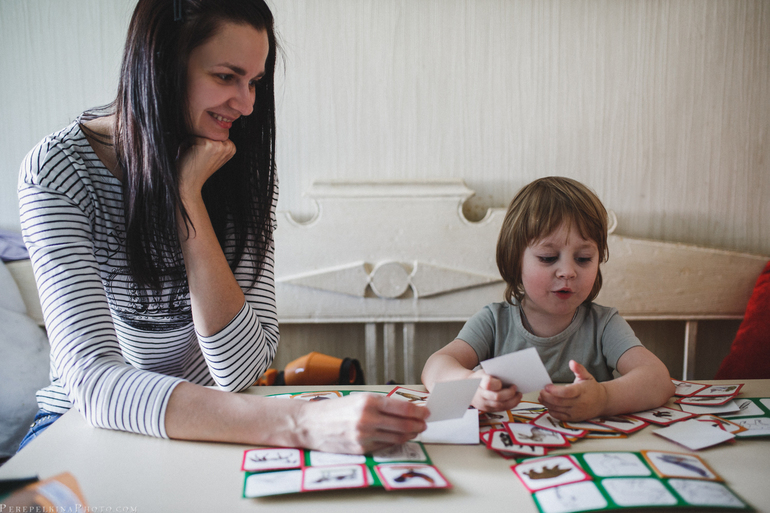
24, 364
749, 356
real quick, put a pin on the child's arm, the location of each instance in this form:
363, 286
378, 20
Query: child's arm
644, 384
456, 361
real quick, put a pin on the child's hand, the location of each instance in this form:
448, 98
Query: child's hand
492, 395
584, 399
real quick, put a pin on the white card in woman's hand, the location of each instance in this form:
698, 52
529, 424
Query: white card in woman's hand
522, 368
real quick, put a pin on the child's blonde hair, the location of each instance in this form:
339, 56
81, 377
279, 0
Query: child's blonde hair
538, 210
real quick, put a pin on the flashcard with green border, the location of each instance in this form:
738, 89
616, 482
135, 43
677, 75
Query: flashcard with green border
750, 407
620, 480
755, 426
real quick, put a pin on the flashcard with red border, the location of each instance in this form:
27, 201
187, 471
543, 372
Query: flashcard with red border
401, 476
694, 435
697, 400
720, 390
662, 416
622, 423
548, 472
590, 427
500, 441
685, 388
407, 394
334, 478
549, 422
487, 418
529, 434
272, 458
676, 464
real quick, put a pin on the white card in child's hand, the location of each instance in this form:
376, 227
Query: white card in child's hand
695, 434
450, 399
522, 368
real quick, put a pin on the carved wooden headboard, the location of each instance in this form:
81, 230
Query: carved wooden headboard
398, 253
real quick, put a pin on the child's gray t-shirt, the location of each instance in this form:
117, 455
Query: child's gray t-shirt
596, 338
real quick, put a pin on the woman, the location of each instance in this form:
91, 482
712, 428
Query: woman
149, 225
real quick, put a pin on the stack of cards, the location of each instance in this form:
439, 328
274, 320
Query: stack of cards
277, 471
596, 481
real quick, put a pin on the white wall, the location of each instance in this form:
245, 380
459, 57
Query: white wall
662, 107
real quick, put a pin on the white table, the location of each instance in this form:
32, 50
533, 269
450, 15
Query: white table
128, 472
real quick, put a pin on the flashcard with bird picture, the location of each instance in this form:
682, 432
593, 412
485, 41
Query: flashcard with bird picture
529, 434
675, 464
399, 476
662, 416
623, 423
548, 472
501, 441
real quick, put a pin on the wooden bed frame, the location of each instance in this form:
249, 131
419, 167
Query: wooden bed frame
392, 254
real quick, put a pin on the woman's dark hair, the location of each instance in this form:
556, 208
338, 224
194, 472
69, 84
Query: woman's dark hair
152, 125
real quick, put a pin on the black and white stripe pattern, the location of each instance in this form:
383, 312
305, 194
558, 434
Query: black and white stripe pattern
117, 351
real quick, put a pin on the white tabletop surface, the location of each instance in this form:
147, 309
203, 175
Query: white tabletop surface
127, 472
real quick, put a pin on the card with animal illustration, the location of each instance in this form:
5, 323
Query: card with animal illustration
674, 464
529, 434
502, 442
549, 422
620, 480
488, 418
399, 476
282, 470
272, 458
662, 416
727, 425
540, 473
720, 390
750, 407
695, 435
407, 394
334, 477
705, 400
755, 426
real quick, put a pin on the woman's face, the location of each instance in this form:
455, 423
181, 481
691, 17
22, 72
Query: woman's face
221, 78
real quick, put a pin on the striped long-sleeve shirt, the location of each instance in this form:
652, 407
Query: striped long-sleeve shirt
118, 350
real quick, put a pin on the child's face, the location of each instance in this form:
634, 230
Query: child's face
558, 273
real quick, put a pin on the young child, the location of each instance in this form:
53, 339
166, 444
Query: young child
553, 238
